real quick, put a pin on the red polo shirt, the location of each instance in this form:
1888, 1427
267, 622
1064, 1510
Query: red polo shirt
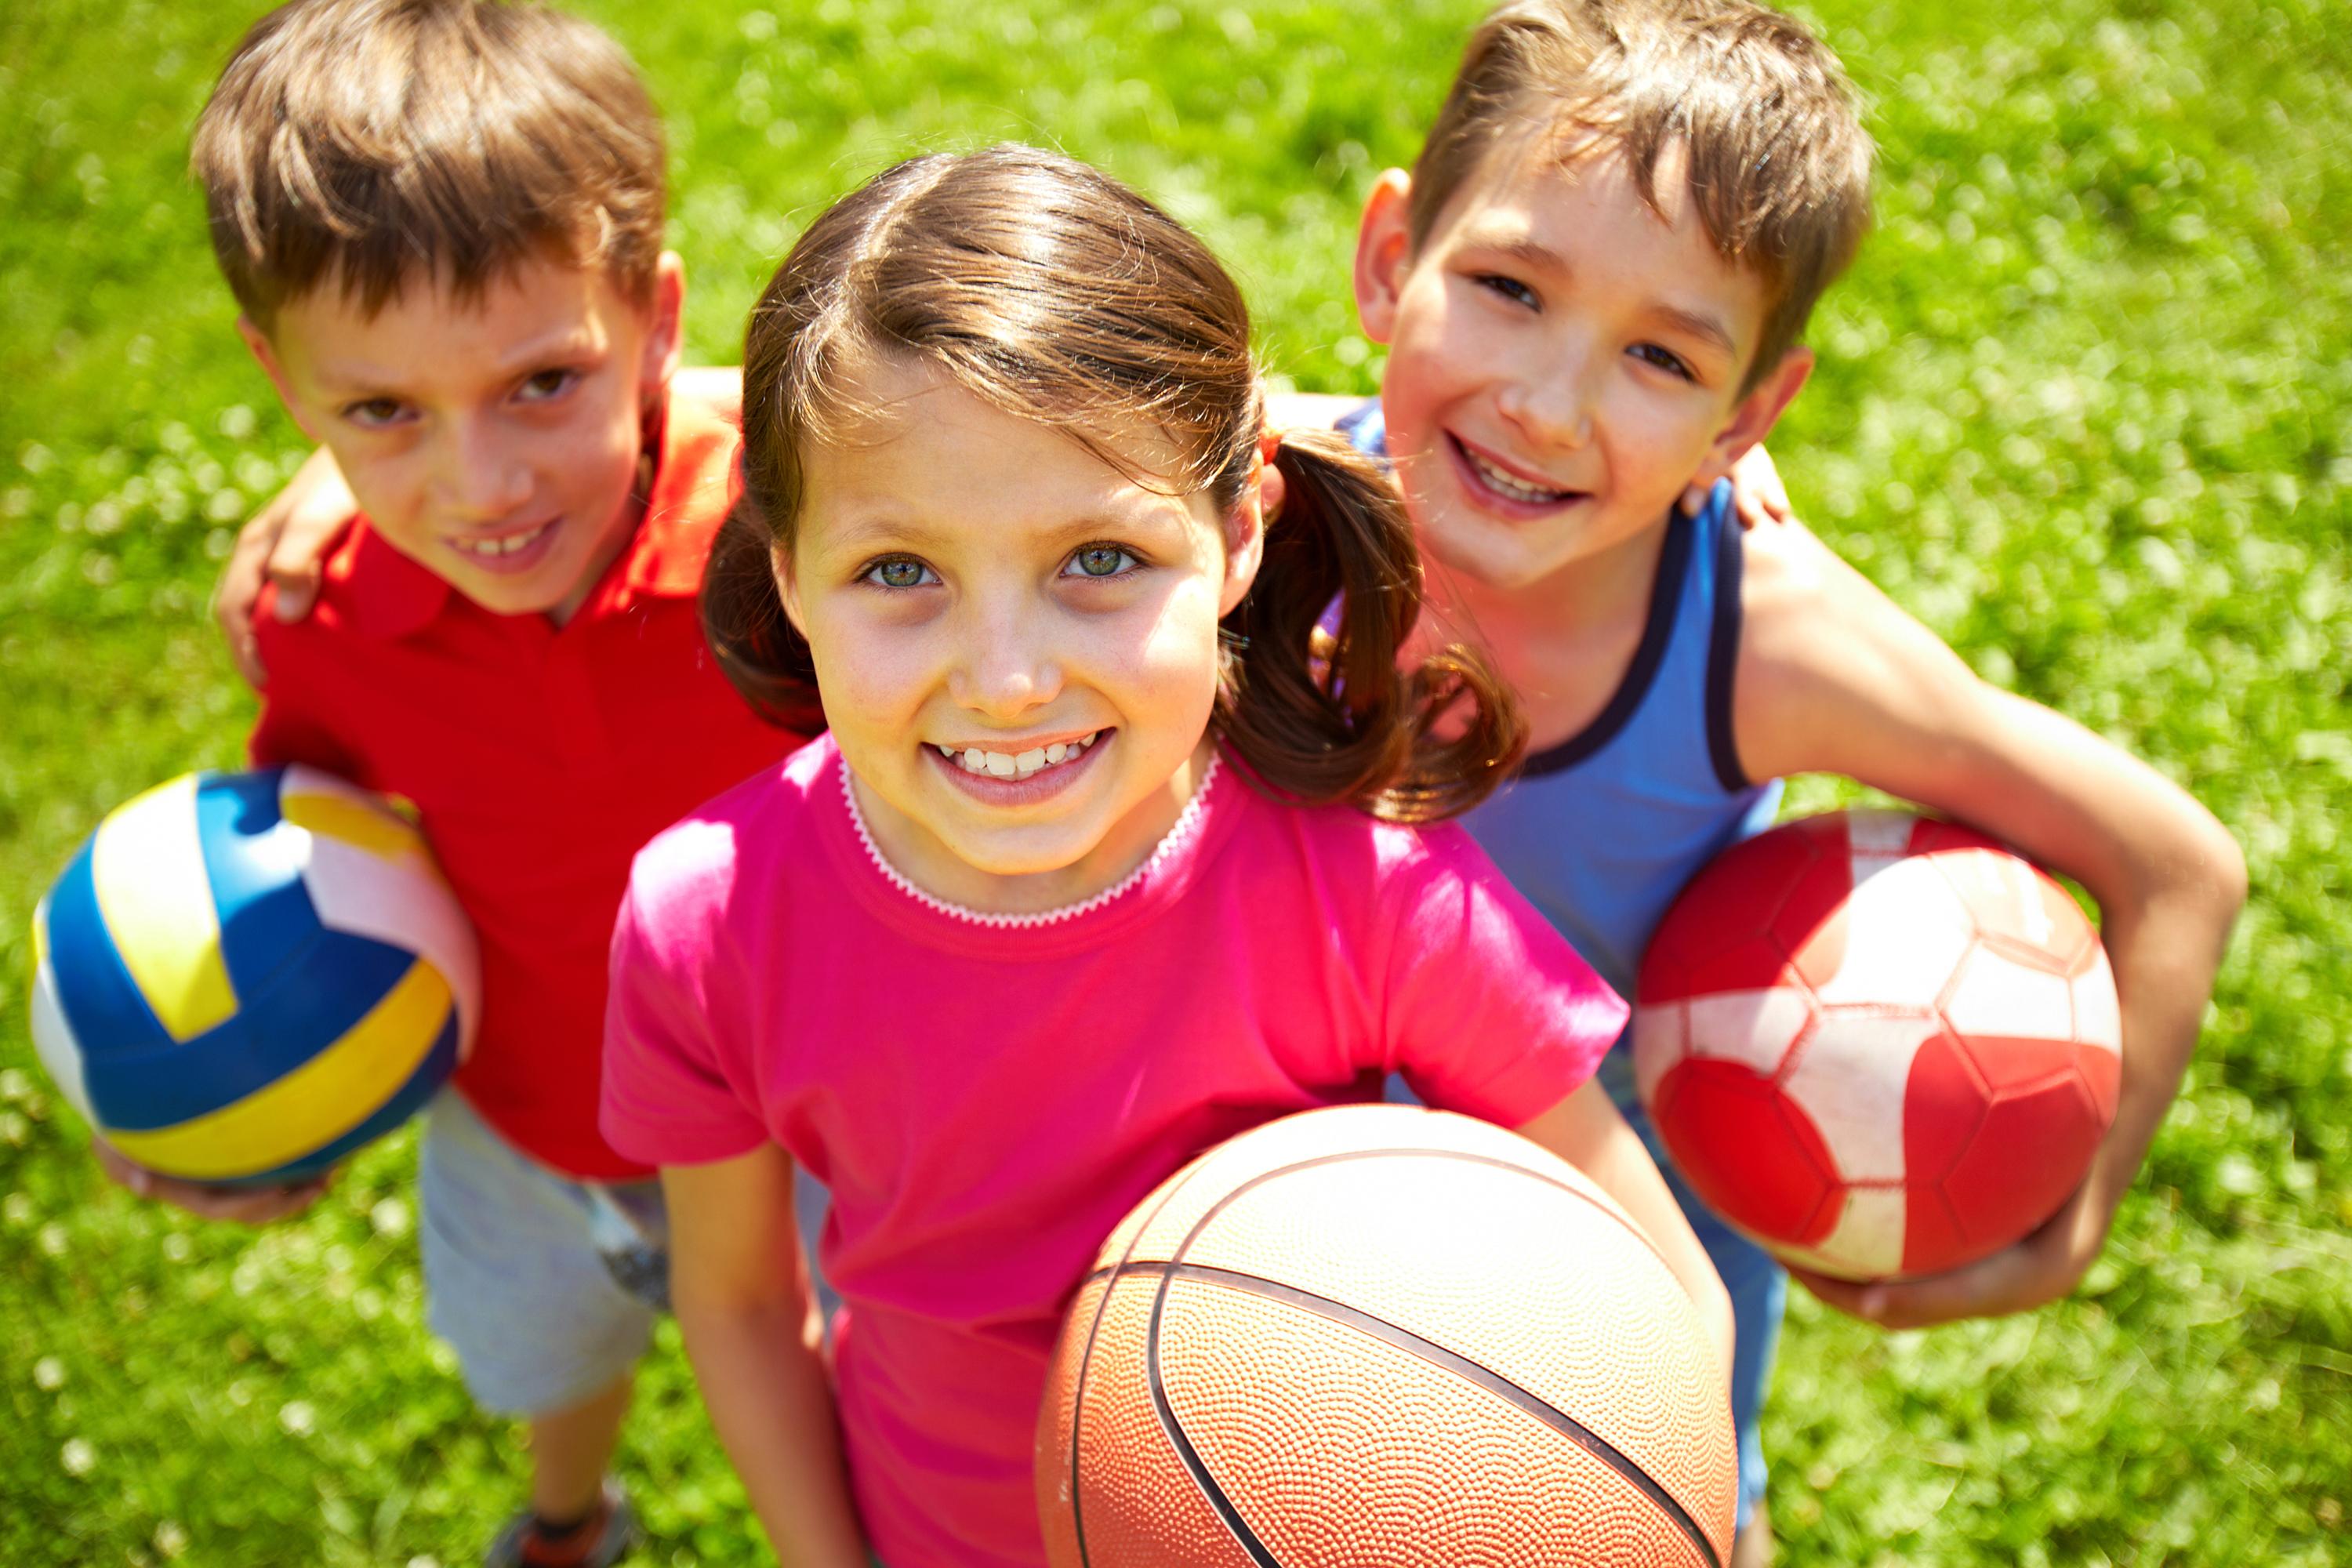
540, 760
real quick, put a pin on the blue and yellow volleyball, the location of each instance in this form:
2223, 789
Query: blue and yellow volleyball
243, 977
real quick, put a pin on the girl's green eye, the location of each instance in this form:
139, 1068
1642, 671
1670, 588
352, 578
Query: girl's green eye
900, 573
1100, 559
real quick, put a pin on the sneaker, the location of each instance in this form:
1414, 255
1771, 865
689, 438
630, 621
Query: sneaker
603, 1540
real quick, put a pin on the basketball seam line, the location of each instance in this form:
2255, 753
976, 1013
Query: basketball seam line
1486, 1378
1087, 1355
1242, 1535
1584, 1197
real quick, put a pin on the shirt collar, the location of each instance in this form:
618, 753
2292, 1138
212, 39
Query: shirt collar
695, 477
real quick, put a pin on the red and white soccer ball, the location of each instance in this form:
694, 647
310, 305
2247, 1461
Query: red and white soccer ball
1881, 1044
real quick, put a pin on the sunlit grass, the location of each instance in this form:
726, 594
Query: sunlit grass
2082, 408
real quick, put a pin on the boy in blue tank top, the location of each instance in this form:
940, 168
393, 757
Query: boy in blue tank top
1591, 286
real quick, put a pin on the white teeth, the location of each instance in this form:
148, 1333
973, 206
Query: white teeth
497, 547
1017, 764
1516, 489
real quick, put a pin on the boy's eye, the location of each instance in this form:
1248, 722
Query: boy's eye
548, 383
1099, 561
900, 573
1664, 359
372, 413
1510, 289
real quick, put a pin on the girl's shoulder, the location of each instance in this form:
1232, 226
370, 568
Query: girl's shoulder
697, 865
1383, 860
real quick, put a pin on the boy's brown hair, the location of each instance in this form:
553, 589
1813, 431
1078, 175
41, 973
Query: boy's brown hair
365, 142
1058, 295
1776, 158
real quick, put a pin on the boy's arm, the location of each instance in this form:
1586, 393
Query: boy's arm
742, 1295
1586, 1131
285, 543
1834, 678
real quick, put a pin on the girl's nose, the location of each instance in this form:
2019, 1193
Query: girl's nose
1008, 665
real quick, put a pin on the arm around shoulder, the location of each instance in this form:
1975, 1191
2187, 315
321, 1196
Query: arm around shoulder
1833, 677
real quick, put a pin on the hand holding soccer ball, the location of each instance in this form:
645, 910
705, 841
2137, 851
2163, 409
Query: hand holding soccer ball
1887, 1048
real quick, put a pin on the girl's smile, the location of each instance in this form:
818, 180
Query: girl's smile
1034, 774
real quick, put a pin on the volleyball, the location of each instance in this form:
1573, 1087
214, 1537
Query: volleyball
1882, 1044
1383, 1337
243, 977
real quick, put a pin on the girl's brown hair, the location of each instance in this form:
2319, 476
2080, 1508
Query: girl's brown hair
1058, 295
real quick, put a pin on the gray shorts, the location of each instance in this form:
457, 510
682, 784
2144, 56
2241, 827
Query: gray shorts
545, 1287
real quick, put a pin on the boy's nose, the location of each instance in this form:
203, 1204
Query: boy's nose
1553, 405
482, 479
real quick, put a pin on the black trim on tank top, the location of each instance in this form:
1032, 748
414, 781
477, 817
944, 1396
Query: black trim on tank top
1666, 598
1723, 656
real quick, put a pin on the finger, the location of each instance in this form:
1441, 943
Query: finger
135, 1179
1694, 500
1846, 1295
293, 565
297, 590
246, 653
234, 595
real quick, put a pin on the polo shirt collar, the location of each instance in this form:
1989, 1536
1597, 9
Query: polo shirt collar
393, 597
694, 480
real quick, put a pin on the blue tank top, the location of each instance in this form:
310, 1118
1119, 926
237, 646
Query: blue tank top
1600, 831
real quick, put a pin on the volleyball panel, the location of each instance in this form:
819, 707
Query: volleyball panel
391, 1056
53, 1036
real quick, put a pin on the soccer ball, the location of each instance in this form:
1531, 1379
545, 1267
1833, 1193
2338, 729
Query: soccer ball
243, 977
1881, 1044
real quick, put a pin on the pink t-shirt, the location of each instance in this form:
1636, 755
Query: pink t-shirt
988, 1095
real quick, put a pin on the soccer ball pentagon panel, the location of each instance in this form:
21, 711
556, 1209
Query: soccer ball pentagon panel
243, 977
1882, 1044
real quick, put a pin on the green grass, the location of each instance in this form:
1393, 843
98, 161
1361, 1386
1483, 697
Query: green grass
2081, 407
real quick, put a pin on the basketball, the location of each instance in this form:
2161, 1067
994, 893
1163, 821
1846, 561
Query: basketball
243, 977
1383, 1337
1881, 1044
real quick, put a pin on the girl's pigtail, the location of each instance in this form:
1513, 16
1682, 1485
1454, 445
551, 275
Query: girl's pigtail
743, 618
1320, 709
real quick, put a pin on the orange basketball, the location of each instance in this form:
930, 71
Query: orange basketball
1384, 1337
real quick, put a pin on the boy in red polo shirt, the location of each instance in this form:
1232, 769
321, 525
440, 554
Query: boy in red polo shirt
442, 221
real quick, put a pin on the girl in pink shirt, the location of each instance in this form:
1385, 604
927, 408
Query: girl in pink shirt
1100, 863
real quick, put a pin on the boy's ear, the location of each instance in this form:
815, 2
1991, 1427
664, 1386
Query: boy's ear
665, 333
1246, 533
266, 353
1383, 254
1754, 416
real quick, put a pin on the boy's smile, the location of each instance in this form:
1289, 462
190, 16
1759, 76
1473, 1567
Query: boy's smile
1016, 644
1563, 359
497, 441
